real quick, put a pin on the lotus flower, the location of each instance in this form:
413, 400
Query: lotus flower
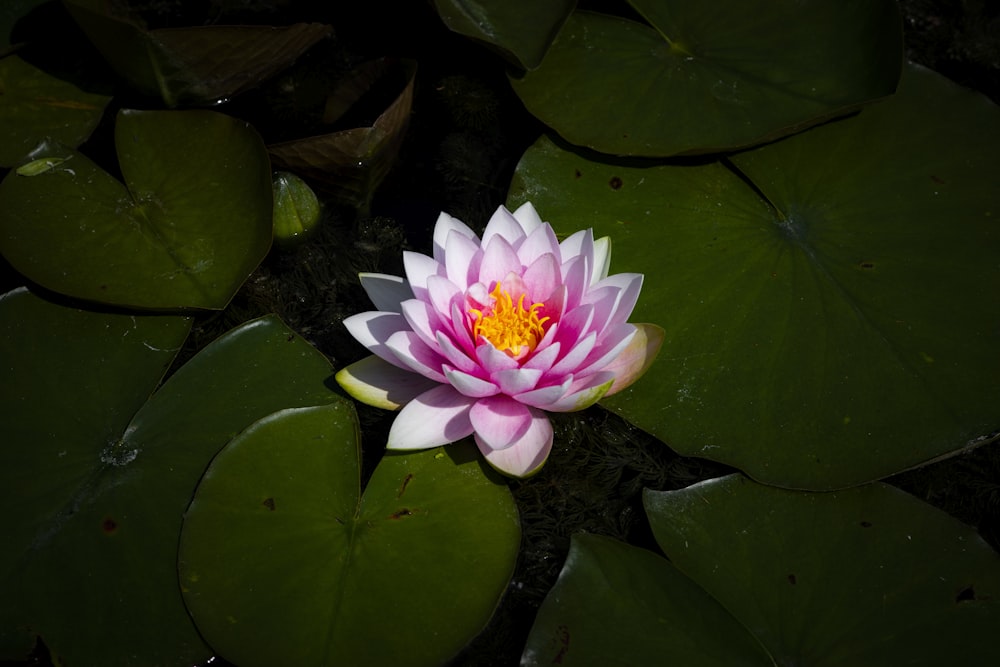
488, 335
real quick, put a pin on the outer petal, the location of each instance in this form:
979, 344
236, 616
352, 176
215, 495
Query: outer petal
637, 357
526, 456
500, 421
463, 258
418, 268
415, 354
540, 242
376, 382
502, 223
444, 225
374, 328
528, 217
582, 393
602, 259
386, 291
434, 418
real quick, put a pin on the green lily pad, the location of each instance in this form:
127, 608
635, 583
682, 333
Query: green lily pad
296, 209
284, 561
187, 227
616, 604
842, 329
100, 473
712, 75
521, 30
196, 65
763, 576
37, 105
867, 576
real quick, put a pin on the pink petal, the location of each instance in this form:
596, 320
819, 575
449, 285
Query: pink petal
526, 456
499, 260
423, 320
500, 421
436, 417
385, 291
528, 218
542, 359
455, 355
517, 380
413, 352
373, 328
542, 241
575, 273
582, 393
503, 224
574, 326
376, 382
442, 293
543, 396
446, 224
610, 346
627, 287
574, 358
418, 269
463, 258
637, 356
542, 278
492, 359
580, 244
470, 385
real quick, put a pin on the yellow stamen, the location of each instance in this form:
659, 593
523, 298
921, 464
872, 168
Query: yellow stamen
508, 326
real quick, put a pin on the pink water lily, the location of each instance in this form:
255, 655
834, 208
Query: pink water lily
489, 334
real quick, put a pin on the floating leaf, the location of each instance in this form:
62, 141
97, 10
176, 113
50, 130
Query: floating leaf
763, 576
867, 576
838, 332
37, 105
712, 75
520, 29
352, 163
187, 227
616, 604
196, 65
100, 474
283, 561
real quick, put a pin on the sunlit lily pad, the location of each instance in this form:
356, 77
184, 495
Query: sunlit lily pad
99, 474
520, 29
839, 331
189, 224
195, 65
762, 576
284, 561
37, 105
712, 75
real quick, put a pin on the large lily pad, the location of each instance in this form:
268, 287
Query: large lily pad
867, 576
712, 75
187, 227
520, 29
37, 105
196, 65
839, 331
97, 474
616, 604
284, 561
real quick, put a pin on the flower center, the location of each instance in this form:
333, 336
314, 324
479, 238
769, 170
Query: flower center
507, 325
